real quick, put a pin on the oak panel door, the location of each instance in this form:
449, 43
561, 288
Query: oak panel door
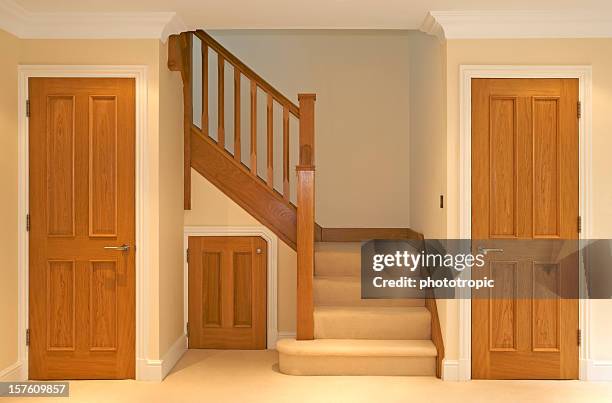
525, 187
227, 292
81, 282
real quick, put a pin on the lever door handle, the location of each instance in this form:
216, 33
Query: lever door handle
122, 248
485, 251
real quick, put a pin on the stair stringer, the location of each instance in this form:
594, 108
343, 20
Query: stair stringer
238, 183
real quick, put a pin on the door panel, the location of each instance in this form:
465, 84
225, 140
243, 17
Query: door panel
227, 292
60, 157
525, 187
81, 163
61, 293
103, 166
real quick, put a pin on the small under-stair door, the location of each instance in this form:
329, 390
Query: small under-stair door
227, 292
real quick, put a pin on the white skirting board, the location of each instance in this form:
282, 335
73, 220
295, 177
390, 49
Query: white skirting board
450, 370
157, 370
13, 372
596, 370
455, 370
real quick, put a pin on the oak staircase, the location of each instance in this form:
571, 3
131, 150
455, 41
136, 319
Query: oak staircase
337, 331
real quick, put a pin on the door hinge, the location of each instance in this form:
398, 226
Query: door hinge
187, 328
579, 224
187, 256
579, 337
28, 108
27, 222
579, 109
27, 337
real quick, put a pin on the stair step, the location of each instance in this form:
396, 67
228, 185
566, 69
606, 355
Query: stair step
338, 259
357, 357
346, 291
386, 323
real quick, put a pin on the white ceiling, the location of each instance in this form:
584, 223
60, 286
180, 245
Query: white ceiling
382, 14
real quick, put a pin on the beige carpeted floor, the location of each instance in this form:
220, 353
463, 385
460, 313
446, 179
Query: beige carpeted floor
252, 376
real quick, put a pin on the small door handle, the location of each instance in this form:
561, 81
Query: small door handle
122, 248
485, 251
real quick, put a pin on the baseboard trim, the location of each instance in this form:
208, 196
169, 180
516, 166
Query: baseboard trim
450, 370
13, 372
596, 370
173, 355
157, 370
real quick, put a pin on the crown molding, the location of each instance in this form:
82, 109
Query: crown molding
517, 24
432, 27
30, 25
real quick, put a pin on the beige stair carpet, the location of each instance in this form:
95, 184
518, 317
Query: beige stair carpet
357, 357
355, 336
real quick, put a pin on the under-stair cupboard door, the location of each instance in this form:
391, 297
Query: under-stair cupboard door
227, 292
82, 228
525, 194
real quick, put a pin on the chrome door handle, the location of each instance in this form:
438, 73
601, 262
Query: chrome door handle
485, 251
122, 248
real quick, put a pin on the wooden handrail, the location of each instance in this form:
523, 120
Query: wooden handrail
305, 220
364, 234
180, 58
248, 72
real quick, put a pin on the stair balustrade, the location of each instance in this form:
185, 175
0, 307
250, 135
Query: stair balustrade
218, 153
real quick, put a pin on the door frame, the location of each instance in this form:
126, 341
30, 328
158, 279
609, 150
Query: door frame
461, 370
139, 73
272, 270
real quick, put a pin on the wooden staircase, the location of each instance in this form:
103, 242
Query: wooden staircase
283, 203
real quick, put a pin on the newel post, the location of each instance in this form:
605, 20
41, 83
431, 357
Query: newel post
179, 59
305, 219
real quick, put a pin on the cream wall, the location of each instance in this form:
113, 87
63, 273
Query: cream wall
164, 182
8, 203
427, 135
594, 52
428, 150
171, 325
362, 126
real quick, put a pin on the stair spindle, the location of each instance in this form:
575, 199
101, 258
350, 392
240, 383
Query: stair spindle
286, 188
270, 142
221, 101
205, 89
237, 145
253, 127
